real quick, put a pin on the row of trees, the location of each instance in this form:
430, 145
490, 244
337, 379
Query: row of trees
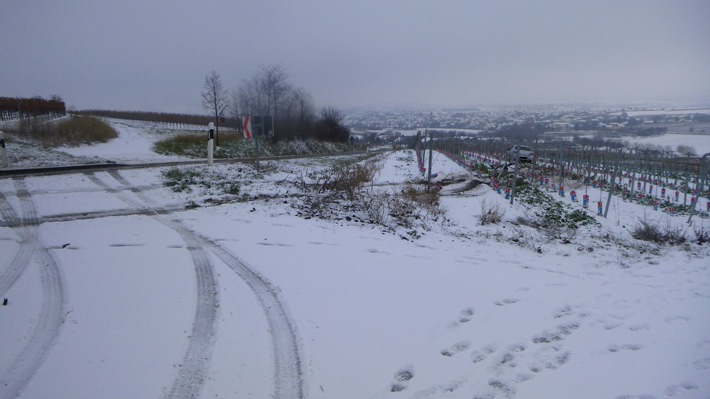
269, 92
35, 107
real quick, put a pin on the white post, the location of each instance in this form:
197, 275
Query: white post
3, 155
210, 143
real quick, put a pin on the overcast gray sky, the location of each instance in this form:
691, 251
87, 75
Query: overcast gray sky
154, 55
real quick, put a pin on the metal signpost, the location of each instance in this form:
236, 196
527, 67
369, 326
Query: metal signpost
210, 143
255, 126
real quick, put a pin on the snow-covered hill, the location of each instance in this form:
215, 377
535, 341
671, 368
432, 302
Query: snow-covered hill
156, 293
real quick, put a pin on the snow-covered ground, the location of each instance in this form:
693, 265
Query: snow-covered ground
701, 142
115, 289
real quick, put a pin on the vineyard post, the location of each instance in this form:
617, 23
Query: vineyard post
702, 177
631, 170
611, 186
687, 180
515, 174
431, 150
646, 168
562, 166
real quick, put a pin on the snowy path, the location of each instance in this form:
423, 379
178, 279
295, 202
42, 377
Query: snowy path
287, 358
15, 376
287, 353
193, 369
463, 311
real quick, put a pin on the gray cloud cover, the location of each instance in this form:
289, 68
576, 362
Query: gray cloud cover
154, 55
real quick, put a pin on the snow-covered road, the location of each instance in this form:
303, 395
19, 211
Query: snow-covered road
189, 373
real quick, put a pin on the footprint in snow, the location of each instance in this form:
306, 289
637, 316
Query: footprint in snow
466, 315
702, 364
506, 301
456, 348
629, 347
480, 355
675, 390
401, 378
505, 389
638, 327
558, 334
563, 312
549, 358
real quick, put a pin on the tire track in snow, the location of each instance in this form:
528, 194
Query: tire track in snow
24, 253
288, 373
192, 371
18, 373
287, 357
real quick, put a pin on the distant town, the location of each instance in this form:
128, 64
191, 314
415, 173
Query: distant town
392, 125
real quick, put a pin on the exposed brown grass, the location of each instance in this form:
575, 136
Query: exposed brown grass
70, 132
188, 143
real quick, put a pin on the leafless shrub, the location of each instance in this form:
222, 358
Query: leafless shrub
427, 198
415, 207
375, 207
341, 179
403, 211
653, 232
342, 189
350, 178
329, 191
702, 236
491, 213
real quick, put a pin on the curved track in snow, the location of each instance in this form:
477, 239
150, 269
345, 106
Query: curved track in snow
15, 376
287, 353
193, 369
288, 373
24, 253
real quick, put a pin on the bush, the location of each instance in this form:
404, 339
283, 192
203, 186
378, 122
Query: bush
491, 214
192, 144
653, 232
348, 178
340, 193
702, 236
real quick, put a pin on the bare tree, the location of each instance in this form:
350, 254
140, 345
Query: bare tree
302, 107
214, 98
235, 109
268, 92
330, 126
251, 97
275, 85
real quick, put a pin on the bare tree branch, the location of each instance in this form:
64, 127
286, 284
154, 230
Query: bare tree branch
214, 98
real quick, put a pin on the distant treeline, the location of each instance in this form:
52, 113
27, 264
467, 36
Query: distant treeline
25, 108
159, 117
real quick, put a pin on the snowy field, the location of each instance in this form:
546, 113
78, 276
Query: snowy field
701, 142
116, 290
